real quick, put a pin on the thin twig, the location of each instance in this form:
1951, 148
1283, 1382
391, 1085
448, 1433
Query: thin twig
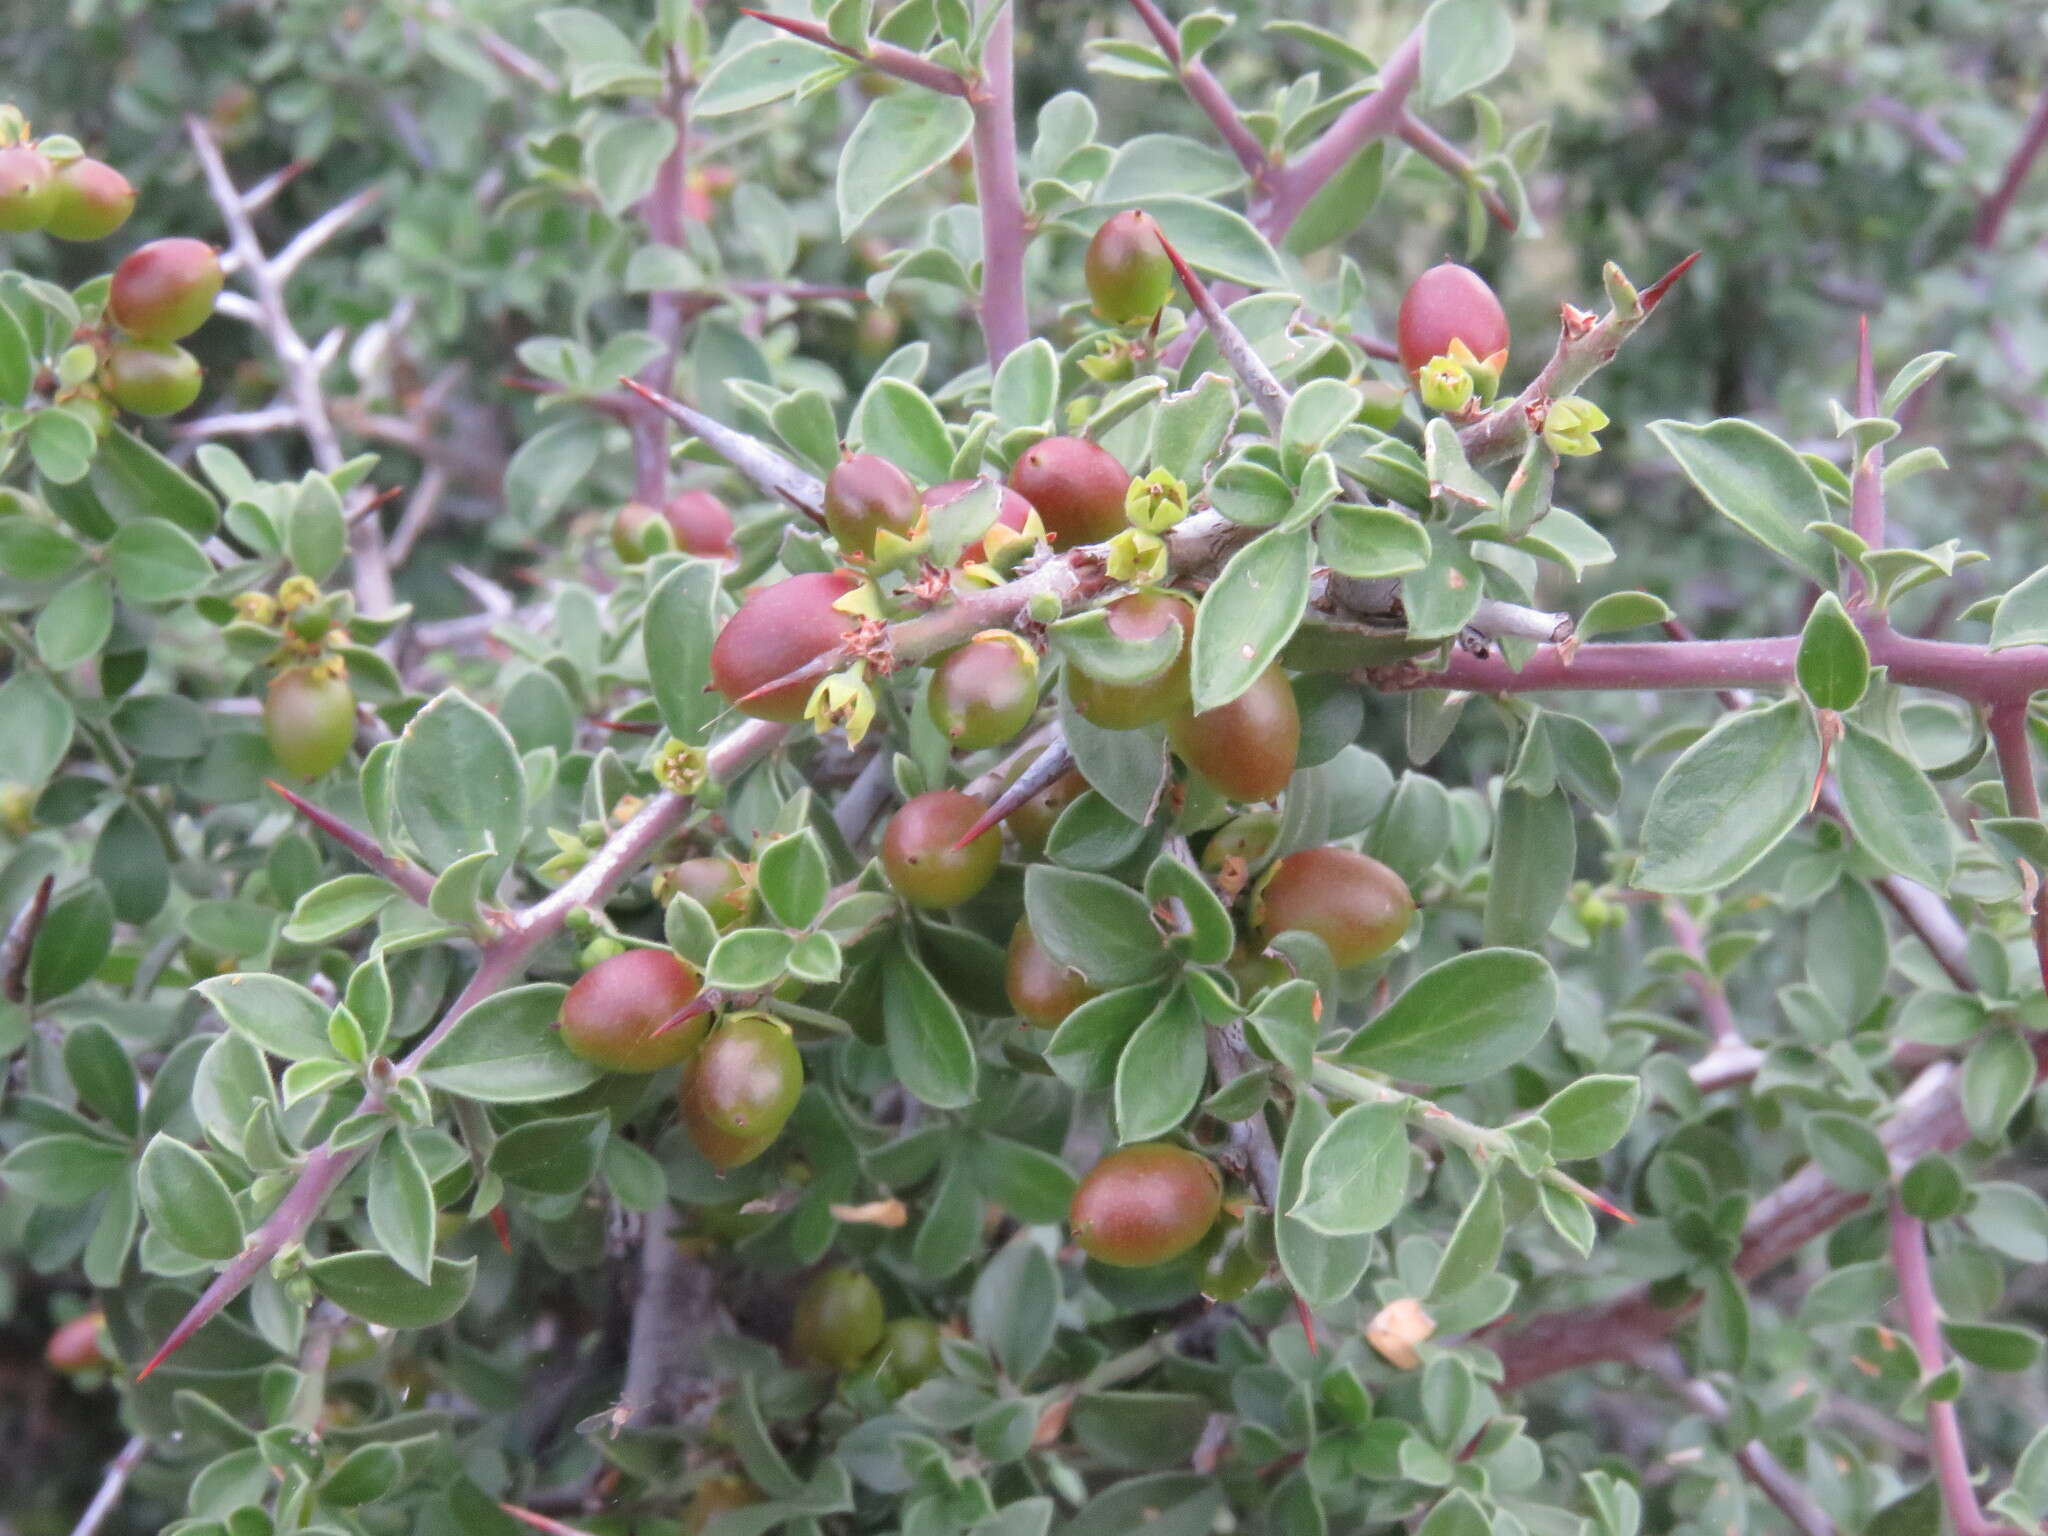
884, 57
1207, 92
108, 1498
2033, 139
761, 464
666, 316
1454, 163
1705, 984
1291, 188
20, 941
1757, 1463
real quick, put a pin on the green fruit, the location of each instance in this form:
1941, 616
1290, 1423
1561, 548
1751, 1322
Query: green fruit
1146, 1204
1042, 990
740, 1089
28, 189
309, 719
1246, 748
1254, 970
1032, 822
908, 1355
1230, 1272
1077, 488
918, 854
1138, 616
151, 379
1445, 304
985, 692
865, 496
1357, 906
165, 290
613, 1016
838, 1320
1129, 275
91, 200
778, 629
716, 884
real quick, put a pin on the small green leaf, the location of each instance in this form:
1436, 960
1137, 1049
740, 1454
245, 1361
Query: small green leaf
1893, 810
401, 1206
929, 1046
1100, 927
1159, 1075
1467, 1018
1465, 43
157, 562
1474, 1247
1356, 1179
897, 142
1248, 614
552, 1157
1588, 1117
1535, 850
1371, 542
187, 1203
794, 879
1622, 610
506, 1050
1834, 663
1847, 1150
336, 906
279, 1015
1729, 800
367, 1285
460, 787
1758, 483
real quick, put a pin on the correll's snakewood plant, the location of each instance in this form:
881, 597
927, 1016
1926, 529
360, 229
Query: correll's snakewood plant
1074, 924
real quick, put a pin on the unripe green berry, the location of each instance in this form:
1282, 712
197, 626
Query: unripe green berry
838, 1320
90, 200
151, 378
309, 719
985, 692
1129, 275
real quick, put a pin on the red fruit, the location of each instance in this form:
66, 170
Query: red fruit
28, 189
918, 854
1357, 906
1011, 514
778, 629
986, 691
165, 290
1032, 822
75, 1346
1136, 616
739, 1090
151, 378
309, 719
1042, 990
1146, 1204
1129, 275
866, 495
716, 884
1445, 304
1077, 487
91, 200
698, 524
1246, 748
613, 1016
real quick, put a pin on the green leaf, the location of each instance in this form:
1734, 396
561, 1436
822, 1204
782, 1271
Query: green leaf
794, 879
758, 74
1588, 1117
929, 1046
1474, 1247
1209, 936
1847, 1150
898, 141
316, 535
1467, 1018
1026, 387
1014, 1304
61, 444
1356, 1177
1998, 1074
1994, 1346
17, 360
128, 859
1441, 598
623, 159
1893, 810
76, 937
552, 1157
187, 1203
1126, 768
401, 1206
336, 906
36, 722
677, 634
367, 1285
75, 623
1729, 800
1323, 1270
1371, 542
1159, 1076
1248, 614
1031, 1185
365, 1475
600, 56
459, 784
1100, 927
1465, 43
103, 1075
1622, 610
1085, 1049
899, 422
748, 960
135, 482
2022, 614
1210, 237
1834, 663
64, 1169
280, 1016
157, 562
1189, 428
33, 551
506, 1050
1086, 640
1535, 846
1758, 483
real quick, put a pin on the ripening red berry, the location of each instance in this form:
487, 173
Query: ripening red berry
1357, 906
920, 860
75, 1346
90, 201
28, 189
717, 884
1011, 513
309, 719
740, 1088
1042, 990
1032, 822
1129, 275
1246, 748
986, 691
838, 1320
698, 524
778, 629
1146, 1204
151, 378
613, 1016
1445, 304
165, 290
1077, 487
1136, 616
866, 495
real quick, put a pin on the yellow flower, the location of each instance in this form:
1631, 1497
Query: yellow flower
1445, 384
1157, 502
1570, 425
681, 767
845, 700
1137, 558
